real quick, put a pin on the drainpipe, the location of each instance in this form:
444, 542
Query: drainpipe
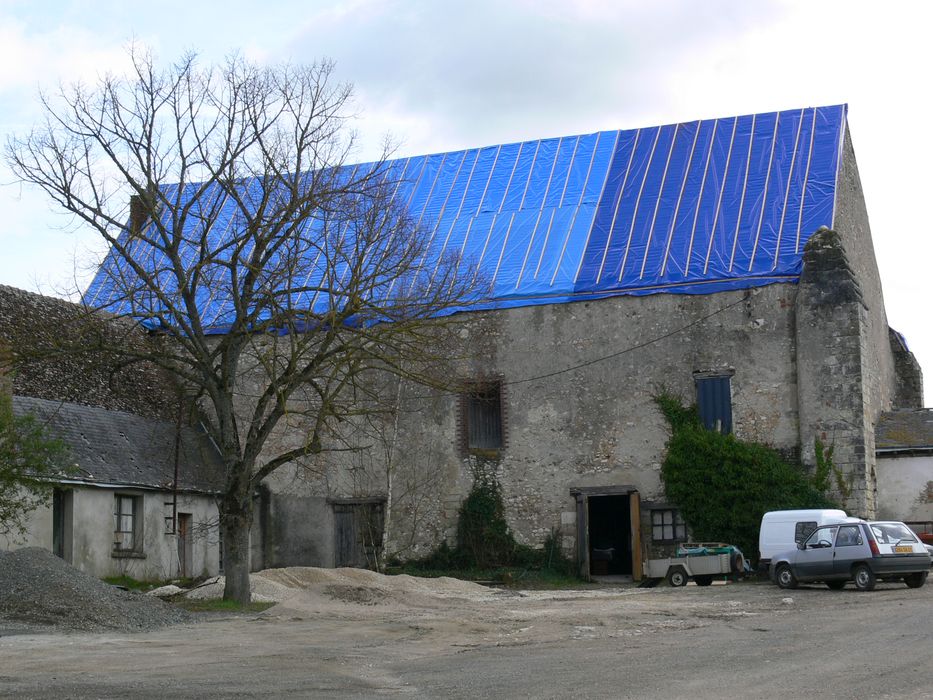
176, 459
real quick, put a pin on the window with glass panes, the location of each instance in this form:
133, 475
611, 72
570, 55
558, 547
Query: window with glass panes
667, 525
125, 523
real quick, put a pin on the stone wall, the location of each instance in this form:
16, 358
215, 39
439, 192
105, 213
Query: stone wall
571, 424
63, 352
847, 372
579, 381
909, 392
830, 318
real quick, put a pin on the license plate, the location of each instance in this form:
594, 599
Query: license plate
903, 549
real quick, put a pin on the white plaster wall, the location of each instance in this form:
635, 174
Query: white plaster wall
904, 487
92, 534
38, 532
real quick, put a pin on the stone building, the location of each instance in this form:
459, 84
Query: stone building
139, 495
727, 260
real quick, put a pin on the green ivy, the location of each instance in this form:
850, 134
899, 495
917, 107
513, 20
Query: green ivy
483, 536
723, 485
484, 541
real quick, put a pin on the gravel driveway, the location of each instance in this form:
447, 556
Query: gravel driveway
750, 640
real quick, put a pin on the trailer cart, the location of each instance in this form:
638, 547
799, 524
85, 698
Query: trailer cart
700, 561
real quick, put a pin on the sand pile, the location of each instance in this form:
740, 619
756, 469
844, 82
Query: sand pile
348, 585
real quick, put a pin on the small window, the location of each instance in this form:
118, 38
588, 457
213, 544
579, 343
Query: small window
803, 530
127, 530
667, 526
714, 400
822, 537
483, 416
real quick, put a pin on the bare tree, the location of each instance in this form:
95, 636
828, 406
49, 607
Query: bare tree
281, 279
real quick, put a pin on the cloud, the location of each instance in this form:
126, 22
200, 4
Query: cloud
59, 53
486, 72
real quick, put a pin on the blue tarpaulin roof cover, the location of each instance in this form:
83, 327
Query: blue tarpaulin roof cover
694, 208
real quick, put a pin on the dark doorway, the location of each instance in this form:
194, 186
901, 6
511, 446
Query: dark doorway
61, 523
610, 535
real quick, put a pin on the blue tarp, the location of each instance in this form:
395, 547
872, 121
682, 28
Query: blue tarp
691, 208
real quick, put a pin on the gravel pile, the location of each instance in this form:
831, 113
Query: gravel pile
39, 589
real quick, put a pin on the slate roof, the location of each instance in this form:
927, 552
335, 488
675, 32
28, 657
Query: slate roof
693, 208
117, 448
906, 430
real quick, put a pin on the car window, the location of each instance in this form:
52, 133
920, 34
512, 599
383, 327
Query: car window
822, 537
849, 536
803, 529
892, 533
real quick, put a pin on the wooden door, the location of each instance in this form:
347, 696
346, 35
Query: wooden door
346, 537
583, 537
184, 545
635, 512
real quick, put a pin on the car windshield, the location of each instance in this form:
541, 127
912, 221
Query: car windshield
892, 533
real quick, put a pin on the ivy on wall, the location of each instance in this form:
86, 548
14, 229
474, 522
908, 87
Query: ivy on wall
483, 536
723, 485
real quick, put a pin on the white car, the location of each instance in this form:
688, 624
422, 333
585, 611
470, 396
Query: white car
861, 551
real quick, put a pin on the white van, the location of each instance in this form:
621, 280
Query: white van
781, 530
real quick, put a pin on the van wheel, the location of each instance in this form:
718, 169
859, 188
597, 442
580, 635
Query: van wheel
785, 577
836, 585
916, 580
677, 577
864, 578
703, 580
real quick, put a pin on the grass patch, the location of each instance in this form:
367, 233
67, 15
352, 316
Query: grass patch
131, 583
219, 605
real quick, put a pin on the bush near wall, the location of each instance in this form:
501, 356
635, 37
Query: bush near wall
723, 485
486, 548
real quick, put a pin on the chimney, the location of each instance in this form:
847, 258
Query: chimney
138, 214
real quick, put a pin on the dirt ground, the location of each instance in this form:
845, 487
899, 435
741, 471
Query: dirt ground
350, 633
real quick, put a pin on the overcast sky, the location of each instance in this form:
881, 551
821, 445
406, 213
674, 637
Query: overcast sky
441, 76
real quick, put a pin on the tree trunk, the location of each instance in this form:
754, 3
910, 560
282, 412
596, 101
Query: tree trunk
236, 527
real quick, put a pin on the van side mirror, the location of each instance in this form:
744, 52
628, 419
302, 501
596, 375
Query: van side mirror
801, 545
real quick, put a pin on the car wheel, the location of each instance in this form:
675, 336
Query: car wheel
785, 577
703, 580
864, 578
916, 580
836, 585
677, 577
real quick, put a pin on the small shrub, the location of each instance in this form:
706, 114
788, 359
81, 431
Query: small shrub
483, 536
486, 549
